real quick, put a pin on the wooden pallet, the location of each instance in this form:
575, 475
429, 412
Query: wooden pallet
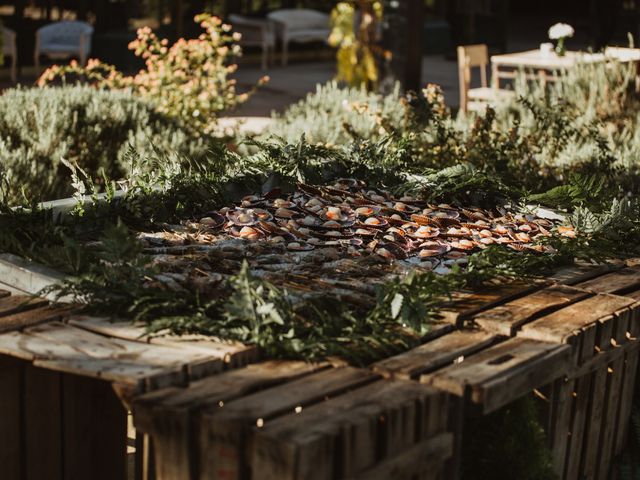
571, 339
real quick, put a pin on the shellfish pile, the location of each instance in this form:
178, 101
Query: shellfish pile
334, 236
365, 221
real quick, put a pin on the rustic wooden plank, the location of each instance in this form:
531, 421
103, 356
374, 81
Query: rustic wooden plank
464, 305
561, 433
608, 431
435, 354
626, 399
583, 271
43, 424
19, 303
559, 326
618, 282
225, 431
94, 430
234, 354
347, 428
503, 373
506, 319
417, 459
593, 422
11, 453
71, 358
166, 415
578, 419
33, 317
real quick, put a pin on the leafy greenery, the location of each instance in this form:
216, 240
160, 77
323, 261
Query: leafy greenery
91, 128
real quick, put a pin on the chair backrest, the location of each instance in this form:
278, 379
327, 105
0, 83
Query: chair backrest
65, 33
300, 18
8, 41
470, 56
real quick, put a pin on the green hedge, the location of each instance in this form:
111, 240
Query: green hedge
93, 128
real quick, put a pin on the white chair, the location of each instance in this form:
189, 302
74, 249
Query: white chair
471, 56
300, 25
62, 40
9, 49
255, 33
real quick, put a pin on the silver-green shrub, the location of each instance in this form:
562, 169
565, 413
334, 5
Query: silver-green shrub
93, 128
333, 115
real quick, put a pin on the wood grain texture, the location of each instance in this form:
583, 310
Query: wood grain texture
502, 373
233, 354
563, 324
94, 430
166, 415
11, 384
43, 424
340, 437
435, 354
19, 303
618, 282
428, 455
33, 317
506, 319
226, 435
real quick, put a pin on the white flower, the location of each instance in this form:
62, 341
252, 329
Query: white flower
561, 30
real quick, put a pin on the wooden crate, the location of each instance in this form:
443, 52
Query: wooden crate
66, 383
292, 420
210, 412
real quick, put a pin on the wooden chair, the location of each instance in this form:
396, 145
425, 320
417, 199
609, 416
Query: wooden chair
9, 50
474, 99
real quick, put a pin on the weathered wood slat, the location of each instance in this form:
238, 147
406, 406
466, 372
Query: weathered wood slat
42, 424
349, 427
578, 419
10, 418
464, 305
418, 459
506, 319
19, 303
626, 399
63, 348
608, 431
563, 324
33, 317
166, 415
618, 282
502, 373
225, 434
562, 402
232, 353
583, 271
435, 354
94, 430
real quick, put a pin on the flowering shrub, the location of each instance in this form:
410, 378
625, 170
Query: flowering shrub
188, 80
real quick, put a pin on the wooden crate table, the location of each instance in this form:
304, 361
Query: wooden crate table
66, 382
212, 410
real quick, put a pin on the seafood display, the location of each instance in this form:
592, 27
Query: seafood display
346, 237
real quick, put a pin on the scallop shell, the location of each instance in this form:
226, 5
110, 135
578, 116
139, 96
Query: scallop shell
242, 217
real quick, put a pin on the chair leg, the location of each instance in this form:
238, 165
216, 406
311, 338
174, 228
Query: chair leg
285, 52
265, 56
36, 63
14, 69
